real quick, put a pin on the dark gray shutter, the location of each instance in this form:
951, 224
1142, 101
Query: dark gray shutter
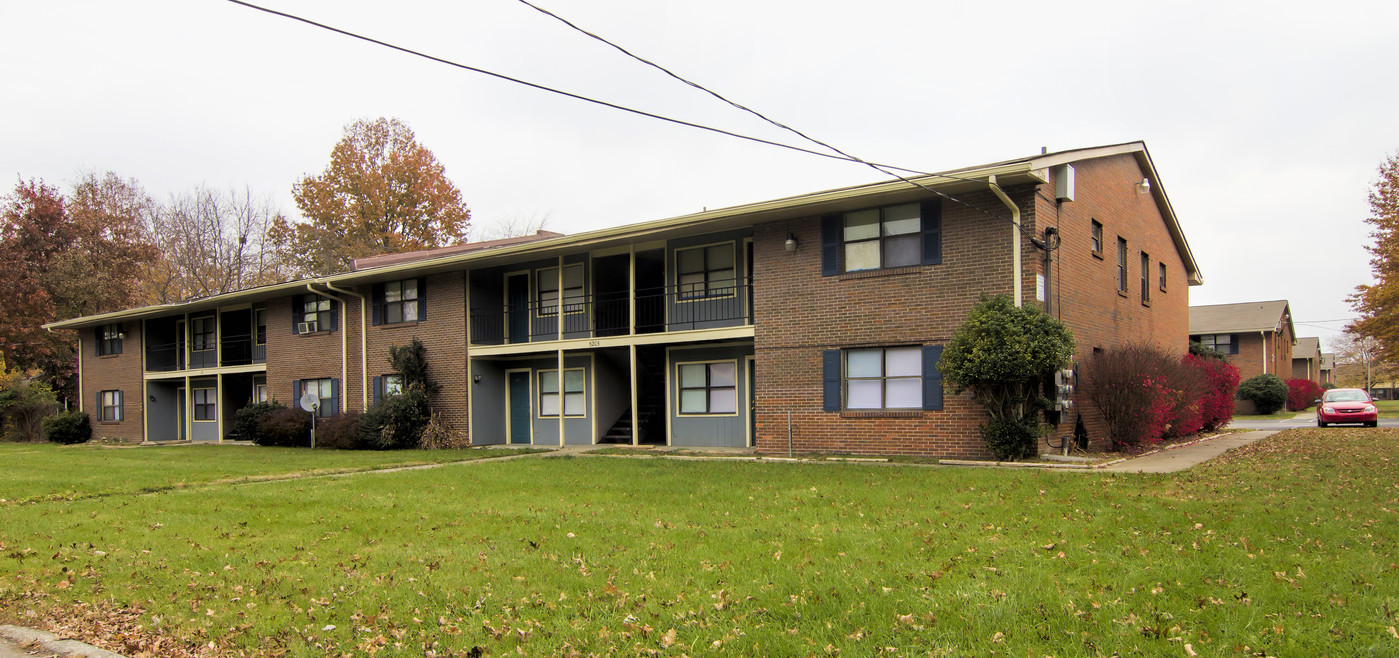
296, 393
830, 245
99, 415
335, 395
931, 212
334, 315
422, 299
830, 380
1233, 343
378, 388
296, 306
376, 307
932, 378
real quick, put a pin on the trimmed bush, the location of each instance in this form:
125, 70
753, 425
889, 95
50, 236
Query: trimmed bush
68, 427
1268, 393
1011, 438
1302, 394
1327, 386
340, 432
284, 427
245, 419
1221, 382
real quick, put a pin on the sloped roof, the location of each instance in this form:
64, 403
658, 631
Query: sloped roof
1244, 316
1328, 360
1308, 347
1033, 169
370, 262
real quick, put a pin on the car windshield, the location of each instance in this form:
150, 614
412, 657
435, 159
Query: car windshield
1346, 396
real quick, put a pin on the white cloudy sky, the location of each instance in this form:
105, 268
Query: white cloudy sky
1266, 120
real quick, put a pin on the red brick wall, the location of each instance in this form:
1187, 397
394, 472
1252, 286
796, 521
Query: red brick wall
1087, 296
800, 313
115, 372
292, 356
1250, 359
443, 335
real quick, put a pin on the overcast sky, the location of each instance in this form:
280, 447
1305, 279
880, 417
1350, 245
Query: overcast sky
1266, 120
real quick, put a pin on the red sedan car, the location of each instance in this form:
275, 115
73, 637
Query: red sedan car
1346, 405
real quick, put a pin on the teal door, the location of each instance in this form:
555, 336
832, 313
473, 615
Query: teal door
518, 404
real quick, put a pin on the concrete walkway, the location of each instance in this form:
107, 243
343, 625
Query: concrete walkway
1179, 459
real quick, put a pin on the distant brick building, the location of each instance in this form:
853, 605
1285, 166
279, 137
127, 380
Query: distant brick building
713, 329
1257, 337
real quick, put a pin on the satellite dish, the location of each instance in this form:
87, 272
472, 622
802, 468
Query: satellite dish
309, 401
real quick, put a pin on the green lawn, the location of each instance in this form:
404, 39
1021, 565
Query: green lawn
1283, 548
1388, 408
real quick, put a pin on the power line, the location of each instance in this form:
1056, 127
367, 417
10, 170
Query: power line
884, 169
551, 90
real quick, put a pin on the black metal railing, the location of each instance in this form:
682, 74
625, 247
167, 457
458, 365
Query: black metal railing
165, 357
658, 309
234, 350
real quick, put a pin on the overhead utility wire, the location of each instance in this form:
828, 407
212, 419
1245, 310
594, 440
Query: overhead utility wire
551, 90
884, 169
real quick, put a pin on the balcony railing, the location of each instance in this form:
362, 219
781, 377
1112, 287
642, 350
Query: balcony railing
724, 303
235, 350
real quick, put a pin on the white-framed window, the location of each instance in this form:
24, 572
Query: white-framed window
883, 378
707, 271
203, 336
109, 403
1097, 237
547, 289
574, 398
323, 389
1162, 268
392, 384
315, 312
1122, 265
708, 387
259, 392
878, 238
206, 403
259, 326
109, 338
401, 303
1146, 278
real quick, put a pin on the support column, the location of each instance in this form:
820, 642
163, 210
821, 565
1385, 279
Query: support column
635, 414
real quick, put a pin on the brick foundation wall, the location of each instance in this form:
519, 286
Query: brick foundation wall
115, 372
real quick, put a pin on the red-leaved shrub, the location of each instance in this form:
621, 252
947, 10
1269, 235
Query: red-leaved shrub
1302, 393
1221, 383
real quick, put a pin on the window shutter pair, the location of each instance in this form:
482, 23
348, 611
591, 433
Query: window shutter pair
832, 228
932, 379
376, 302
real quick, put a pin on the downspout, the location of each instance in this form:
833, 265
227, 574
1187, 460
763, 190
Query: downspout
363, 353
1263, 337
1015, 241
344, 347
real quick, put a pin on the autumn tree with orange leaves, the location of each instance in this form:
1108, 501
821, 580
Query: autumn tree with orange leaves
1378, 304
383, 192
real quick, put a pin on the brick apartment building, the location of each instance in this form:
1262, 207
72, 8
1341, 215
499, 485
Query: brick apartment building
1309, 362
1257, 337
829, 309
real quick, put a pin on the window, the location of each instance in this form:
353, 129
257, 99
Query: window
1162, 268
1146, 278
259, 392
1121, 265
574, 402
709, 388
884, 378
260, 326
205, 403
324, 389
202, 334
401, 301
882, 237
109, 339
393, 384
547, 298
1097, 239
317, 312
109, 406
1223, 343
705, 271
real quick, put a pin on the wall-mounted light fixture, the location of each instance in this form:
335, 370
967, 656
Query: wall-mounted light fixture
476, 379
791, 243
1144, 187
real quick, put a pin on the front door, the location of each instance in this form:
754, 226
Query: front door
517, 298
518, 406
752, 403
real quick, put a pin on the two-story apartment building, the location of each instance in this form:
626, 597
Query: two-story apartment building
813, 323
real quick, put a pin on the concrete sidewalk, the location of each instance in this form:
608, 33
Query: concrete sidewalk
1179, 459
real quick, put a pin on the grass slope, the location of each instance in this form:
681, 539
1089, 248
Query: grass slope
1285, 547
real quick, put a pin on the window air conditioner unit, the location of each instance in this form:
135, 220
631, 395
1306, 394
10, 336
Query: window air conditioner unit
305, 327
